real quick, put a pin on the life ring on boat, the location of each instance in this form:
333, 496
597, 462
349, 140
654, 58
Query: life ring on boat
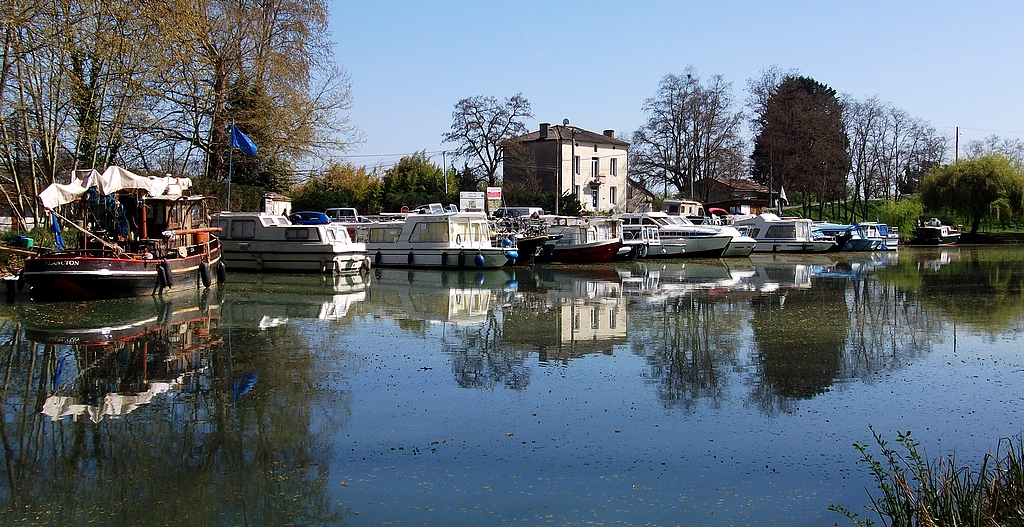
444, 259
479, 260
165, 267
204, 274
222, 272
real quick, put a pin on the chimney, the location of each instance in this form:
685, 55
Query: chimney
610, 133
544, 130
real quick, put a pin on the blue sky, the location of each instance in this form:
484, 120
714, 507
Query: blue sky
954, 64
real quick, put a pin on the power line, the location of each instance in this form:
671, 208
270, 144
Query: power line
431, 152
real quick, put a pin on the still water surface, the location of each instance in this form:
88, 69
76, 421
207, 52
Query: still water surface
718, 392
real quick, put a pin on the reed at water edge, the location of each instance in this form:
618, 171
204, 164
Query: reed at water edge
917, 491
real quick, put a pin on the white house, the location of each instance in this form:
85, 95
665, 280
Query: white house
572, 160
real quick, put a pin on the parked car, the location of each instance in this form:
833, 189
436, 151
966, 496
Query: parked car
309, 218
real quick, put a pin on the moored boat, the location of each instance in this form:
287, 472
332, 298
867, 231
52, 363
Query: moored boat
645, 242
139, 236
888, 237
529, 233
684, 238
863, 236
257, 241
934, 232
582, 240
436, 238
775, 234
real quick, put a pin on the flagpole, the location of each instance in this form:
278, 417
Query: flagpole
231, 150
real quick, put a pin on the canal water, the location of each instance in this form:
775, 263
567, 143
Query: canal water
706, 392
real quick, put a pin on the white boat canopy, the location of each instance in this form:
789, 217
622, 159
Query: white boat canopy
110, 181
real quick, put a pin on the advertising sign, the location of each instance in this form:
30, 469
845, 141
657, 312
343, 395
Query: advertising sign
471, 201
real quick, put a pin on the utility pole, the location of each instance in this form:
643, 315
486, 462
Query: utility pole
956, 145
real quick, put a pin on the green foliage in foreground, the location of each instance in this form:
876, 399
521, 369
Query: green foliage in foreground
917, 491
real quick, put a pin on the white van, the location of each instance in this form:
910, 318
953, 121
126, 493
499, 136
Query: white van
513, 212
342, 214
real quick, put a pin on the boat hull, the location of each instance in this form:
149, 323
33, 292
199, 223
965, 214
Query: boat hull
447, 258
293, 260
594, 252
528, 249
86, 275
770, 246
707, 246
936, 236
739, 247
662, 250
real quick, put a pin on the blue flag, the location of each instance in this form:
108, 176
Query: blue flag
241, 142
58, 240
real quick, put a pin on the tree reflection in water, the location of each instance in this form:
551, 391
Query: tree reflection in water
690, 343
704, 344
118, 452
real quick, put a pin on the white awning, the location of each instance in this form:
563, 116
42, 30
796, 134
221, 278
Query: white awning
110, 181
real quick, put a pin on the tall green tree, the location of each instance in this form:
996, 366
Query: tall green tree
978, 188
802, 142
340, 185
414, 181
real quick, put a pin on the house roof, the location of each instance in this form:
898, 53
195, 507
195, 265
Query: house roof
566, 132
740, 184
639, 187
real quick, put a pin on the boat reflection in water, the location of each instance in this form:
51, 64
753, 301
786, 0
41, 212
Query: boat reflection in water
435, 295
117, 355
262, 301
404, 395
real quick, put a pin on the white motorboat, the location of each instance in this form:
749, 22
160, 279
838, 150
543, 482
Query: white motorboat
775, 234
644, 241
864, 236
434, 237
257, 241
692, 240
889, 237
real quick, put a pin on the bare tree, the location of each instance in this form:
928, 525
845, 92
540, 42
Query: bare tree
1012, 148
889, 149
480, 125
154, 85
71, 73
692, 132
268, 67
